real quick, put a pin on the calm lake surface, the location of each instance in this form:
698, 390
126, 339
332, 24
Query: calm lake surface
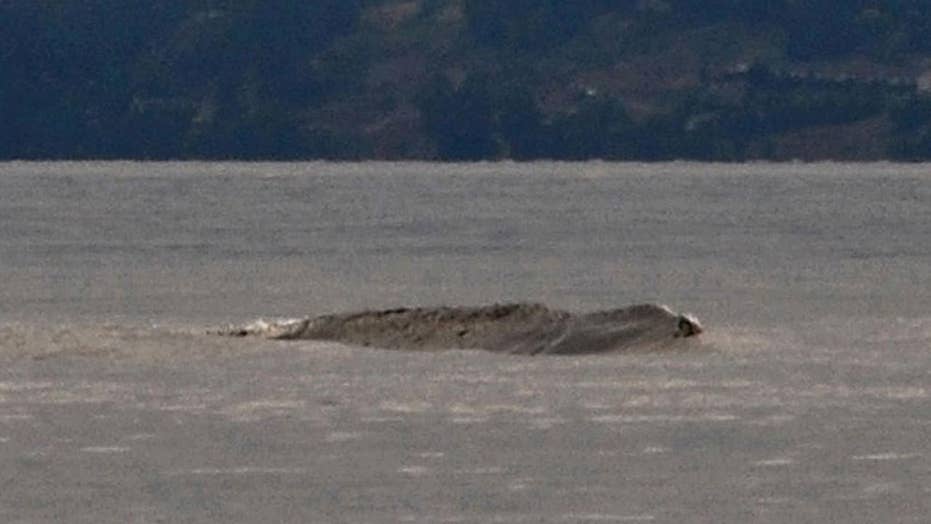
808, 399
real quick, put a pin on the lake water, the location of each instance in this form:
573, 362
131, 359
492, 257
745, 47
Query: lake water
806, 400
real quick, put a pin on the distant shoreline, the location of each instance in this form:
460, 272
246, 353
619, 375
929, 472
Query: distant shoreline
466, 80
475, 163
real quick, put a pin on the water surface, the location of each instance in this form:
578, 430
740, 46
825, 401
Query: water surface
807, 400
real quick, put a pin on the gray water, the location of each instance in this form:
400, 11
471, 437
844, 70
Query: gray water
806, 400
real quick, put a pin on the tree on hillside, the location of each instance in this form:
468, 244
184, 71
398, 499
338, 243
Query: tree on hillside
461, 121
529, 25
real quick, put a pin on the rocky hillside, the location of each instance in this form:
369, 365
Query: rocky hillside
466, 79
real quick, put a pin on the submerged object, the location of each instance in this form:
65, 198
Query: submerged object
521, 328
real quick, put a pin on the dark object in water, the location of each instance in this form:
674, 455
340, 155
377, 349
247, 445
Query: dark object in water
527, 329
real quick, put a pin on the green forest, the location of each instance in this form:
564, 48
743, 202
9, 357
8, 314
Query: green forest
464, 80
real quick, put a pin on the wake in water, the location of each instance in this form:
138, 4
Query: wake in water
526, 329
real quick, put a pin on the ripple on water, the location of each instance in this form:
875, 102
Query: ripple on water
16, 387
520, 484
774, 462
899, 393
105, 449
343, 436
405, 407
602, 517
482, 412
414, 471
637, 419
468, 420
10, 417
546, 422
381, 420
485, 470
260, 409
885, 456
242, 470
882, 488
772, 420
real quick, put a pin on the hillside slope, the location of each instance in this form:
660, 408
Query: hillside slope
466, 79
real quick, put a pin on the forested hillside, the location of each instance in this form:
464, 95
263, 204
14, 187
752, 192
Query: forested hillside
466, 79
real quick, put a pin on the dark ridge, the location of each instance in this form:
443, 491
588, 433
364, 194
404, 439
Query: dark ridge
522, 328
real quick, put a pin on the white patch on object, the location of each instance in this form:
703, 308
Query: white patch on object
688, 325
278, 328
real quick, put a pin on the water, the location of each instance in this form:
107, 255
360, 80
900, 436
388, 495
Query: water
806, 400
